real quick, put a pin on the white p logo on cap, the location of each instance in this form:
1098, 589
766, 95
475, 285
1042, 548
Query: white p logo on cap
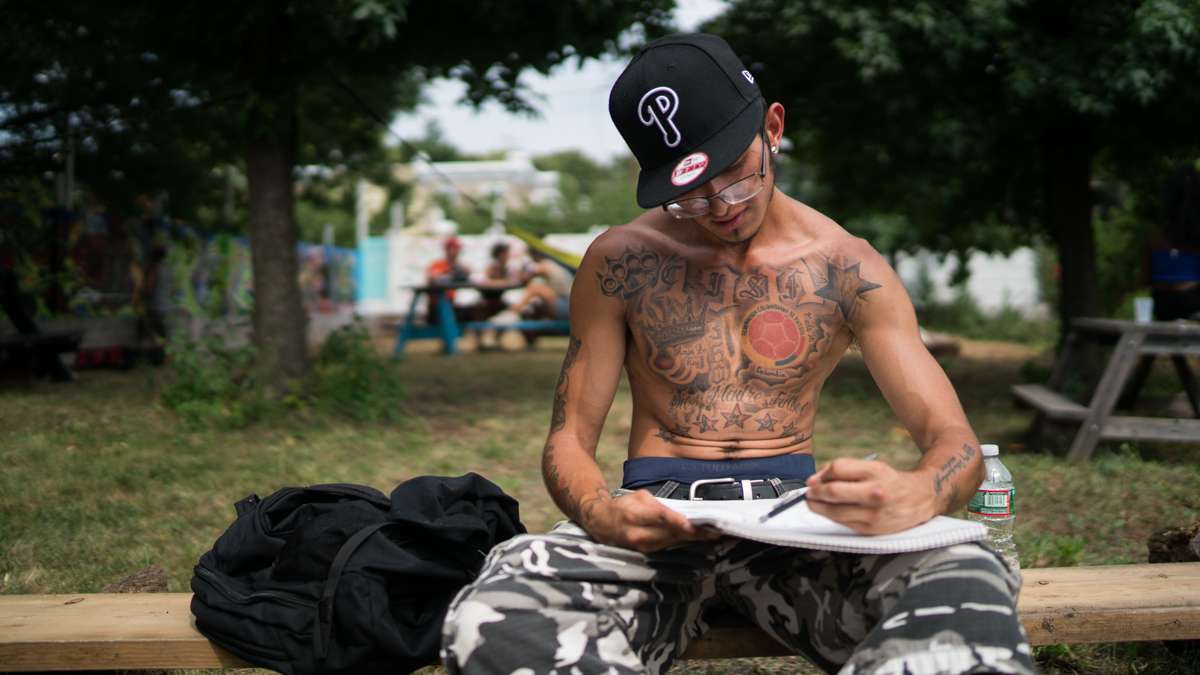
658, 107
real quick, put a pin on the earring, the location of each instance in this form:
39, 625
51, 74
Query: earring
774, 149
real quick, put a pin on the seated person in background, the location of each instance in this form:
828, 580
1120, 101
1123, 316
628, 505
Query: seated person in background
497, 278
445, 272
546, 295
448, 270
1175, 249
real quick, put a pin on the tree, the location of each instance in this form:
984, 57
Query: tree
593, 193
981, 122
280, 82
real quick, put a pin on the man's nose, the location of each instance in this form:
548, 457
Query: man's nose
718, 208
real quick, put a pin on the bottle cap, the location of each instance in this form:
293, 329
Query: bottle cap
990, 450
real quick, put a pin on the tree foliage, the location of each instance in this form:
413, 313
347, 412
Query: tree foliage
979, 123
593, 193
272, 84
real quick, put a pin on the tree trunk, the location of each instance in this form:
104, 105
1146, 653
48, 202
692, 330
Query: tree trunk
1067, 159
279, 319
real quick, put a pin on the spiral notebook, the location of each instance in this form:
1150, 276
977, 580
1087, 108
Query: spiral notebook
800, 527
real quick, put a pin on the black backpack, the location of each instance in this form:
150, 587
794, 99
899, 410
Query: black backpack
342, 579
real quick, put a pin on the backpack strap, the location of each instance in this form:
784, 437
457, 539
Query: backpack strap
322, 635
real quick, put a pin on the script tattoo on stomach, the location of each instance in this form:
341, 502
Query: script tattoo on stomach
736, 346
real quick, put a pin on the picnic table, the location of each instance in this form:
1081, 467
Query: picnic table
447, 328
1136, 346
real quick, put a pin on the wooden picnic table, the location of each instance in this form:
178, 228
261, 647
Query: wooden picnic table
1137, 344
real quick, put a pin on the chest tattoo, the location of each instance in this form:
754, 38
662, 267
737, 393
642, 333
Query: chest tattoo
736, 346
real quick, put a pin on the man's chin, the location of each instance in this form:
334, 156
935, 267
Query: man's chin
735, 236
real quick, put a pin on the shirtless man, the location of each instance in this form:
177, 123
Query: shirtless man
728, 307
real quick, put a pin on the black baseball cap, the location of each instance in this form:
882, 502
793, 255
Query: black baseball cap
687, 108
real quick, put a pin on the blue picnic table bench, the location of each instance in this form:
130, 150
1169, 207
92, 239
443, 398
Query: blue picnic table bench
448, 329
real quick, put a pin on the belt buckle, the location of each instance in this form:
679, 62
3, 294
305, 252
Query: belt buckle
747, 487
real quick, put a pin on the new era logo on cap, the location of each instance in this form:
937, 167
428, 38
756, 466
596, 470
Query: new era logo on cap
688, 108
689, 169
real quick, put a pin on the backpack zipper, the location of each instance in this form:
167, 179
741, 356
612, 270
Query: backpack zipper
225, 589
263, 506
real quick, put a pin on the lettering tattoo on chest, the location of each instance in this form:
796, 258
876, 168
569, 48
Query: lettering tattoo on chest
736, 346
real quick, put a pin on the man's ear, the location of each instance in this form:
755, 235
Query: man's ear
774, 124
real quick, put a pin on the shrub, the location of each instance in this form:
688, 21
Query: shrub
351, 380
210, 383
962, 316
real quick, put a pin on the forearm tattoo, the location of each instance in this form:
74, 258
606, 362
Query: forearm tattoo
736, 346
949, 469
581, 511
554, 482
558, 417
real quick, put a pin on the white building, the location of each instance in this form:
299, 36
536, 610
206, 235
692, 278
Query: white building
398, 259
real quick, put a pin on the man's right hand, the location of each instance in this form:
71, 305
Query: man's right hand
639, 521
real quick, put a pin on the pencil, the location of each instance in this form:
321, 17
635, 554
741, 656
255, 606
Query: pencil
785, 504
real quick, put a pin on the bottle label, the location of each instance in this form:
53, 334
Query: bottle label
993, 503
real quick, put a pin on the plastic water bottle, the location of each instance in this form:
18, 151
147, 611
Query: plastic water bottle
994, 505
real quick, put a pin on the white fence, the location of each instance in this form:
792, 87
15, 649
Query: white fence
996, 281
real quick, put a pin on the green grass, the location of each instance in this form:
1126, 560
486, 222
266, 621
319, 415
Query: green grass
99, 480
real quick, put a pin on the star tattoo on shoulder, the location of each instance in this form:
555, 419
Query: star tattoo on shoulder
844, 285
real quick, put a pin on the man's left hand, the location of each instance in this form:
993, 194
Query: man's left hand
871, 497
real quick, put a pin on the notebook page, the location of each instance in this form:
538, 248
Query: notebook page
800, 527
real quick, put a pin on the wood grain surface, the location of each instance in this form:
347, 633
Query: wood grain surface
1115, 603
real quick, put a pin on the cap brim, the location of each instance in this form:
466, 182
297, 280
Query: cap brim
723, 148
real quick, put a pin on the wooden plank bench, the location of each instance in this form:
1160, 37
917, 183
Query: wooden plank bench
1049, 402
1114, 603
1056, 407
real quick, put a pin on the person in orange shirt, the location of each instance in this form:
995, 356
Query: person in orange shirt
448, 270
444, 272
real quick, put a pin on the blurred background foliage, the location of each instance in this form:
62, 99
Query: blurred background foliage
985, 124
951, 127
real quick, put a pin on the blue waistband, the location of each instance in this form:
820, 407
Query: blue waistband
641, 471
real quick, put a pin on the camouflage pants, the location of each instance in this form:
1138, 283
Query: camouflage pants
561, 603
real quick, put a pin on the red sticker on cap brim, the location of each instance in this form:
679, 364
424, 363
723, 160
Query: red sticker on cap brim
689, 169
